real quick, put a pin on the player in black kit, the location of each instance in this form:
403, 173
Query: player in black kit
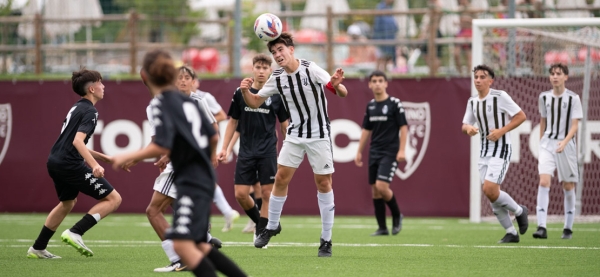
258, 143
184, 133
67, 168
385, 122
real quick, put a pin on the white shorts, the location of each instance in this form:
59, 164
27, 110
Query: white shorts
319, 152
565, 162
493, 169
164, 184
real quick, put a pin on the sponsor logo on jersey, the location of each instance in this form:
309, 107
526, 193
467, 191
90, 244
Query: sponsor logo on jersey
5, 129
418, 117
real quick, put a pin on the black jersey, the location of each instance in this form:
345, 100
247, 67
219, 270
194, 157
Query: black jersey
82, 117
183, 128
257, 126
384, 119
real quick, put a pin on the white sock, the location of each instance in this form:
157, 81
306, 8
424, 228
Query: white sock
221, 202
97, 217
327, 208
569, 208
208, 236
503, 217
275, 208
543, 198
167, 246
504, 200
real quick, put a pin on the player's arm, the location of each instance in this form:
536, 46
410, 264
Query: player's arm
364, 136
227, 139
100, 156
79, 144
401, 156
469, 129
468, 121
569, 136
283, 126
252, 100
236, 136
220, 116
496, 134
214, 139
542, 126
336, 83
150, 151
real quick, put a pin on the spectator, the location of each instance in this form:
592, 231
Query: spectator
385, 28
465, 31
359, 53
432, 22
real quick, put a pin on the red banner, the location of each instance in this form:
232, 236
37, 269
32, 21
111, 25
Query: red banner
433, 182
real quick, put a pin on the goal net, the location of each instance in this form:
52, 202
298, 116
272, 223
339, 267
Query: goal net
521, 51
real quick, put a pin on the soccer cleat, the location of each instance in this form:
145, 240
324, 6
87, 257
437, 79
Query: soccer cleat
263, 238
380, 232
325, 248
40, 254
254, 240
173, 267
229, 219
216, 243
567, 234
522, 220
540, 233
397, 225
75, 240
250, 227
509, 238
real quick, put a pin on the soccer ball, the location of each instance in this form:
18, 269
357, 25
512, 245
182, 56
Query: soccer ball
267, 27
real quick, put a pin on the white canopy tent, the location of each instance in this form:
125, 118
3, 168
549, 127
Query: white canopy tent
406, 23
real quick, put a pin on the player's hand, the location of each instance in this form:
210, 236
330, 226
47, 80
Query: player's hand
214, 160
246, 84
163, 161
127, 165
337, 77
561, 146
472, 130
358, 160
119, 161
401, 156
495, 134
222, 156
98, 171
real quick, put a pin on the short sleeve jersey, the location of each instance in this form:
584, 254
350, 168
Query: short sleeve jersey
212, 103
559, 112
257, 126
82, 117
304, 98
494, 111
181, 126
384, 119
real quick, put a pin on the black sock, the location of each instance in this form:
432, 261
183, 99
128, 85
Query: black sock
205, 268
258, 203
262, 224
380, 213
224, 264
393, 205
83, 225
43, 238
253, 213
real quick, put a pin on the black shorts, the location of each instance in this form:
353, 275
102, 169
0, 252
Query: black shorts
69, 181
191, 214
248, 171
382, 168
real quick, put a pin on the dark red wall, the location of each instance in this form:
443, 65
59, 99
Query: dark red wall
439, 185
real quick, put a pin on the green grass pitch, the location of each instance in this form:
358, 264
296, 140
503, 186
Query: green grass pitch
126, 245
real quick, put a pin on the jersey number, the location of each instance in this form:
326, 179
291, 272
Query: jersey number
193, 116
66, 122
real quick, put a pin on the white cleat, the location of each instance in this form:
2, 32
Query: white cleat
250, 227
75, 240
40, 254
229, 219
173, 267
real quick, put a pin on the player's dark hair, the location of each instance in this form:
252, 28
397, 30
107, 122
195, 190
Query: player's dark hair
160, 68
190, 71
484, 67
563, 67
82, 78
263, 59
377, 73
285, 38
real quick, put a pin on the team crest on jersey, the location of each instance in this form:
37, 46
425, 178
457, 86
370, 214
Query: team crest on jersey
564, 104
385, 109
268, 101
418, 117
489, 108
305, 81
5, 129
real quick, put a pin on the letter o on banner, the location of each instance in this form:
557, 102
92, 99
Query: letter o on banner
108, 141
350, 129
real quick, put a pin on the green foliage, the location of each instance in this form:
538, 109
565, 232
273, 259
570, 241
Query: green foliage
126, 245
6, 7
248, 18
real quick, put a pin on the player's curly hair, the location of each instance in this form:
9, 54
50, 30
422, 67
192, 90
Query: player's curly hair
486, 68
160, 68
563, 67
262, 59
81, 80
285, 38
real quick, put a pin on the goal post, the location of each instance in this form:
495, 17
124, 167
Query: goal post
520, 52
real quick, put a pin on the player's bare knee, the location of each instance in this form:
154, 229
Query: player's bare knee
241, 196
323, 185
266, 192
545, 181
491, 191
115, 199
68, 205
568, 186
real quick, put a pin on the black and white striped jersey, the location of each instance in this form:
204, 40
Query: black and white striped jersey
559, 112
494, 111
304, 98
